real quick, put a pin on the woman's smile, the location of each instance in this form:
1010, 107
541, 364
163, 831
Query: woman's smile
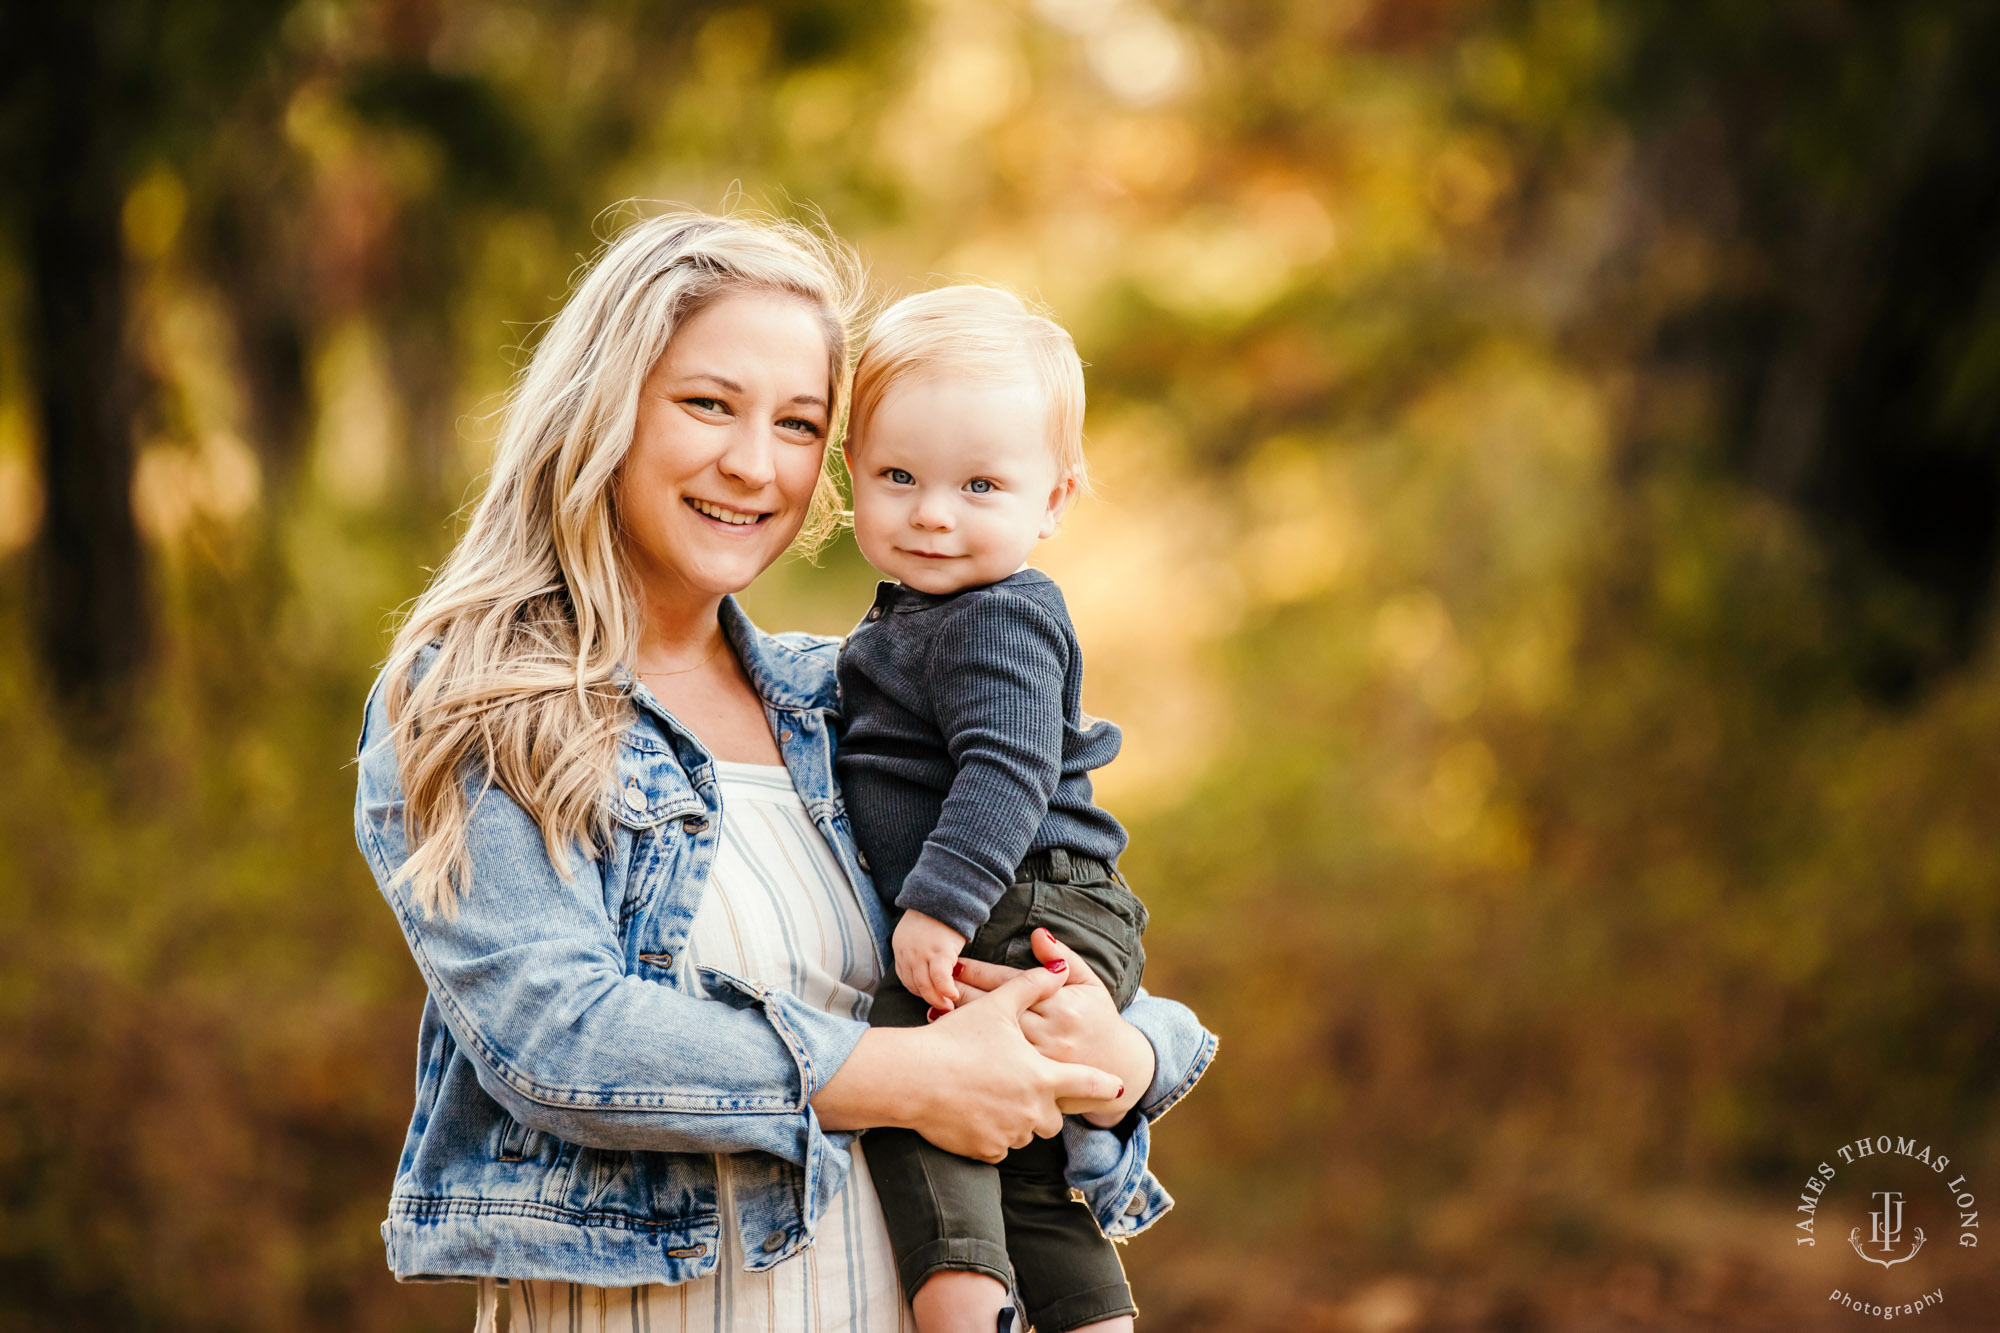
724, 514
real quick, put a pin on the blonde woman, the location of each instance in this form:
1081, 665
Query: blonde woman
602, 806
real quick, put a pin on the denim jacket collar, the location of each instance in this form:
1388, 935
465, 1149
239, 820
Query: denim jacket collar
785, 675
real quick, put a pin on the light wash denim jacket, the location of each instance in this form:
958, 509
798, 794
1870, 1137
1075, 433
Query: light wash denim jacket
576, 1076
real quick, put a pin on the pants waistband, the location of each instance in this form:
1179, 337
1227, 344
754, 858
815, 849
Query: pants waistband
1059, 865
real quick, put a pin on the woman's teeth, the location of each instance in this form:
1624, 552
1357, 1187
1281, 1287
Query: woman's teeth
716, 511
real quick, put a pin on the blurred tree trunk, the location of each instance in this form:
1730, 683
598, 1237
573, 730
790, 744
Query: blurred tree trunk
92, 615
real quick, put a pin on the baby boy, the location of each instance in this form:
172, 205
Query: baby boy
965, 755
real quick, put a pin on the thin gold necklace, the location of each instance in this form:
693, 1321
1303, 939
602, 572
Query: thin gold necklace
682, 671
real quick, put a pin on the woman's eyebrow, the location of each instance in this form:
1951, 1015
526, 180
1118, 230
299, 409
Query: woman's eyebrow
720, 381
810, 399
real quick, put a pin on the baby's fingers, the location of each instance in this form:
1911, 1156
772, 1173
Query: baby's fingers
942, 983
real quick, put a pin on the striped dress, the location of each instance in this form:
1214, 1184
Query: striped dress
779, 910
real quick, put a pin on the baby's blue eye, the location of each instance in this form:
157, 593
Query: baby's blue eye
900, 477
979, 485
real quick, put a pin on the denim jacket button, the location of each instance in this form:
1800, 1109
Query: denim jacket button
1137, 1206
774, 1242
874, 613
784, 735
861, 859
694, 824
635, 798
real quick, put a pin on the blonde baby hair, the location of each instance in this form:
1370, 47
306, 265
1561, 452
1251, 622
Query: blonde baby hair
984, 332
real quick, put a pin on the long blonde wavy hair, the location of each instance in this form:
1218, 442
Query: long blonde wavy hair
535, 608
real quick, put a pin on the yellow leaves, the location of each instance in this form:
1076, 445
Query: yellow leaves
1300, 527
359, 419
1467, 179
20, 483
154, 210
1460, 782
1146, 153
173, 486
818, 105
1139, 57
1228, 264
968, 84
731, 47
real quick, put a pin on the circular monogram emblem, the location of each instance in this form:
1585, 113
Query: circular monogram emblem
1885, 1221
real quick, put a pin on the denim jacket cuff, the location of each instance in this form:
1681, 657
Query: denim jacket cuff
1109, 1166
947, 887
1182, 1050
819, 1043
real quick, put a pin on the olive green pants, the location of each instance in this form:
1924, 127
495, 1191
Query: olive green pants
1016, 1221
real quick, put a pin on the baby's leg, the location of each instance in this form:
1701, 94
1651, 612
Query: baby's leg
960, 1302
1068, 1273
943, 1214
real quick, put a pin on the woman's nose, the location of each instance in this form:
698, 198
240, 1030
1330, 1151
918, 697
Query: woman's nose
751, 457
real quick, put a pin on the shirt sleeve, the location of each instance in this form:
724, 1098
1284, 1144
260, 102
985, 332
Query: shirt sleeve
529, 976
997, 666
1109, 1166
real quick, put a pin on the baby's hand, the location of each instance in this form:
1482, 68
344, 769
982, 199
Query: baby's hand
926, 951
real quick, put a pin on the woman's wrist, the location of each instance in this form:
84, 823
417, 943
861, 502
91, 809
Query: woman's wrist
878, 1084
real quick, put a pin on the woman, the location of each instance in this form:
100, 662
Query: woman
601, 804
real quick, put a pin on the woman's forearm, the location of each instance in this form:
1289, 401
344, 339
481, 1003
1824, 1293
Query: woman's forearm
877, 1085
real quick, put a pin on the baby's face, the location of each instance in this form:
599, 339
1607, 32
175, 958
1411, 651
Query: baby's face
954, 482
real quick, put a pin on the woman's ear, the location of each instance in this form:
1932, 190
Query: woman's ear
1060, 500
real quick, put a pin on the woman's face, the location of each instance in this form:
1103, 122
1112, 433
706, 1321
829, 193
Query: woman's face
727, 448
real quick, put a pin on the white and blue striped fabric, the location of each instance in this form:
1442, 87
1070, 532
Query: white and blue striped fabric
778, 910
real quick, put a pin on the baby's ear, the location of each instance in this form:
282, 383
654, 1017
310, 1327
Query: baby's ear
1060, 500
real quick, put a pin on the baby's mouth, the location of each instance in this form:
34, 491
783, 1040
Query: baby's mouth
736, 518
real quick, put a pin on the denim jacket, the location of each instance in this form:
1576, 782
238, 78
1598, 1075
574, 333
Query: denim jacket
576, 1076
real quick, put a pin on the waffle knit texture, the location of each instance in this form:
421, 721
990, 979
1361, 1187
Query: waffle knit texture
964, 745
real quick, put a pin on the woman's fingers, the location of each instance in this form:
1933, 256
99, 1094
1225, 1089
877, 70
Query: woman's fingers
1051, 950
1084, 1083
975, 975
1028, 989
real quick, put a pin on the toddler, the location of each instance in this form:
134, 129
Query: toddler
965, 755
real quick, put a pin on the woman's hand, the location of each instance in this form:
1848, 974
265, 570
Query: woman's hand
970, 1083
1078, 1024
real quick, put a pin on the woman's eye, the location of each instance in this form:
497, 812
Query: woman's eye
801, 424
707, 404
979, 486
900, 477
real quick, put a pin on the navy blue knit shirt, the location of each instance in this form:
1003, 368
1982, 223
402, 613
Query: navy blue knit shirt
965, 746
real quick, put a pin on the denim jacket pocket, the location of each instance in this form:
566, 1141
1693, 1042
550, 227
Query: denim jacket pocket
651, 789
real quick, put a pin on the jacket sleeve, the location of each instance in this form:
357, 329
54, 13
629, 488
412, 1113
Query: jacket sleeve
1109, 1166
529, 976
997, 670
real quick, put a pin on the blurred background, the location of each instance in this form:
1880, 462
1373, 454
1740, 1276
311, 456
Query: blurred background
1548, 459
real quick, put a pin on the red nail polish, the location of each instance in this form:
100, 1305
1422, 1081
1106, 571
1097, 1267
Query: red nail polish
957, 970
1056, 965
933, 1014
1120, 1093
